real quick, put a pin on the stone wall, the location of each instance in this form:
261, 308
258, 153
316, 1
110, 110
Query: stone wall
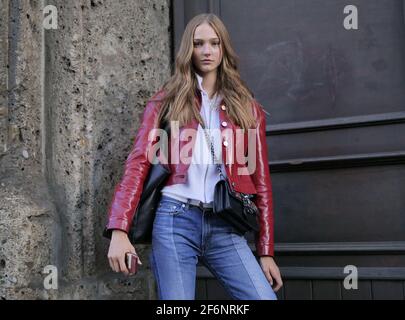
70, 105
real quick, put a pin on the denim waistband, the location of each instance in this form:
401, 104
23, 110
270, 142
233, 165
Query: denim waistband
186, 202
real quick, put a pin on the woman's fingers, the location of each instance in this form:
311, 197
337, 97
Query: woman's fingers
277, 279
267, 271
117, 255
116, 266
278, 286
123, 267
268, 276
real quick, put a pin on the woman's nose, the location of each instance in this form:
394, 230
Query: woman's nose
206, 49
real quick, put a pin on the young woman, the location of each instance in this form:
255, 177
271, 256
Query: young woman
205, 91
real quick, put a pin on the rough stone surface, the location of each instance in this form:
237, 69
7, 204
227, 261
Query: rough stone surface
70, 104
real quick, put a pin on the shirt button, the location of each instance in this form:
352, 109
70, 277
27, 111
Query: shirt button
225, 143
224, 124
223, 107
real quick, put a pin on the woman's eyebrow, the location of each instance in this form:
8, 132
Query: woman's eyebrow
197, 39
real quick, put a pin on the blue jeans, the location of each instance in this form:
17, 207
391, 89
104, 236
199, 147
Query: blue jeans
183, 235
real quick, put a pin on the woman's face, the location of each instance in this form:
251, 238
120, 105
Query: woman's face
207, 47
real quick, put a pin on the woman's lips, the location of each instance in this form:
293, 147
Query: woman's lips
207, 61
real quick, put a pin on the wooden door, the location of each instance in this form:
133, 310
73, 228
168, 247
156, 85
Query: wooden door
336, 138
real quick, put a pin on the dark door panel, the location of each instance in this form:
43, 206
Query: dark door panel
304, 65
357, 204
342, 142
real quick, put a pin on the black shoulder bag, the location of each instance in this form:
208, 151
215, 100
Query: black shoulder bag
140, 231
234, 207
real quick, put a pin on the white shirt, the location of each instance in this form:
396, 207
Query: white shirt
202, 174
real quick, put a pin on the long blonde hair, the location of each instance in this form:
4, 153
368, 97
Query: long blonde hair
179, 100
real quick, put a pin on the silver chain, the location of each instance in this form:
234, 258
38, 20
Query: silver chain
215, 159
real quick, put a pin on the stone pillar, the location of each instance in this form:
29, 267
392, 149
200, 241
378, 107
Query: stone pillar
28, 219
70, 105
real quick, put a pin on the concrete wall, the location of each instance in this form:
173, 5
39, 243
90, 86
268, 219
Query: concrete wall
70, 105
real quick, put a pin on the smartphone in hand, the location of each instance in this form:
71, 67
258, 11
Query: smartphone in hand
131, 261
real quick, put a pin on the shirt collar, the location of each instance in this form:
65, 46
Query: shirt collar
199, 80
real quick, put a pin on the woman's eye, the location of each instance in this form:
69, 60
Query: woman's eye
199, 43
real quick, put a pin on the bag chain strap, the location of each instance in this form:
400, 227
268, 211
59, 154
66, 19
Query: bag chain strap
214, 158
245, 196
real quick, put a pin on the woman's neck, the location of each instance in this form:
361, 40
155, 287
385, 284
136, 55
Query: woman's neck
208, 82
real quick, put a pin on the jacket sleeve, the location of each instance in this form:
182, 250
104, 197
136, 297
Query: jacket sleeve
128, 191
264, 239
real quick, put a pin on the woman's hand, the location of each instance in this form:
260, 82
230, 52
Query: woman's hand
120, 245
271, 271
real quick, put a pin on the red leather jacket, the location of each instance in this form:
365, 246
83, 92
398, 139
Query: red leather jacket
128, 191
